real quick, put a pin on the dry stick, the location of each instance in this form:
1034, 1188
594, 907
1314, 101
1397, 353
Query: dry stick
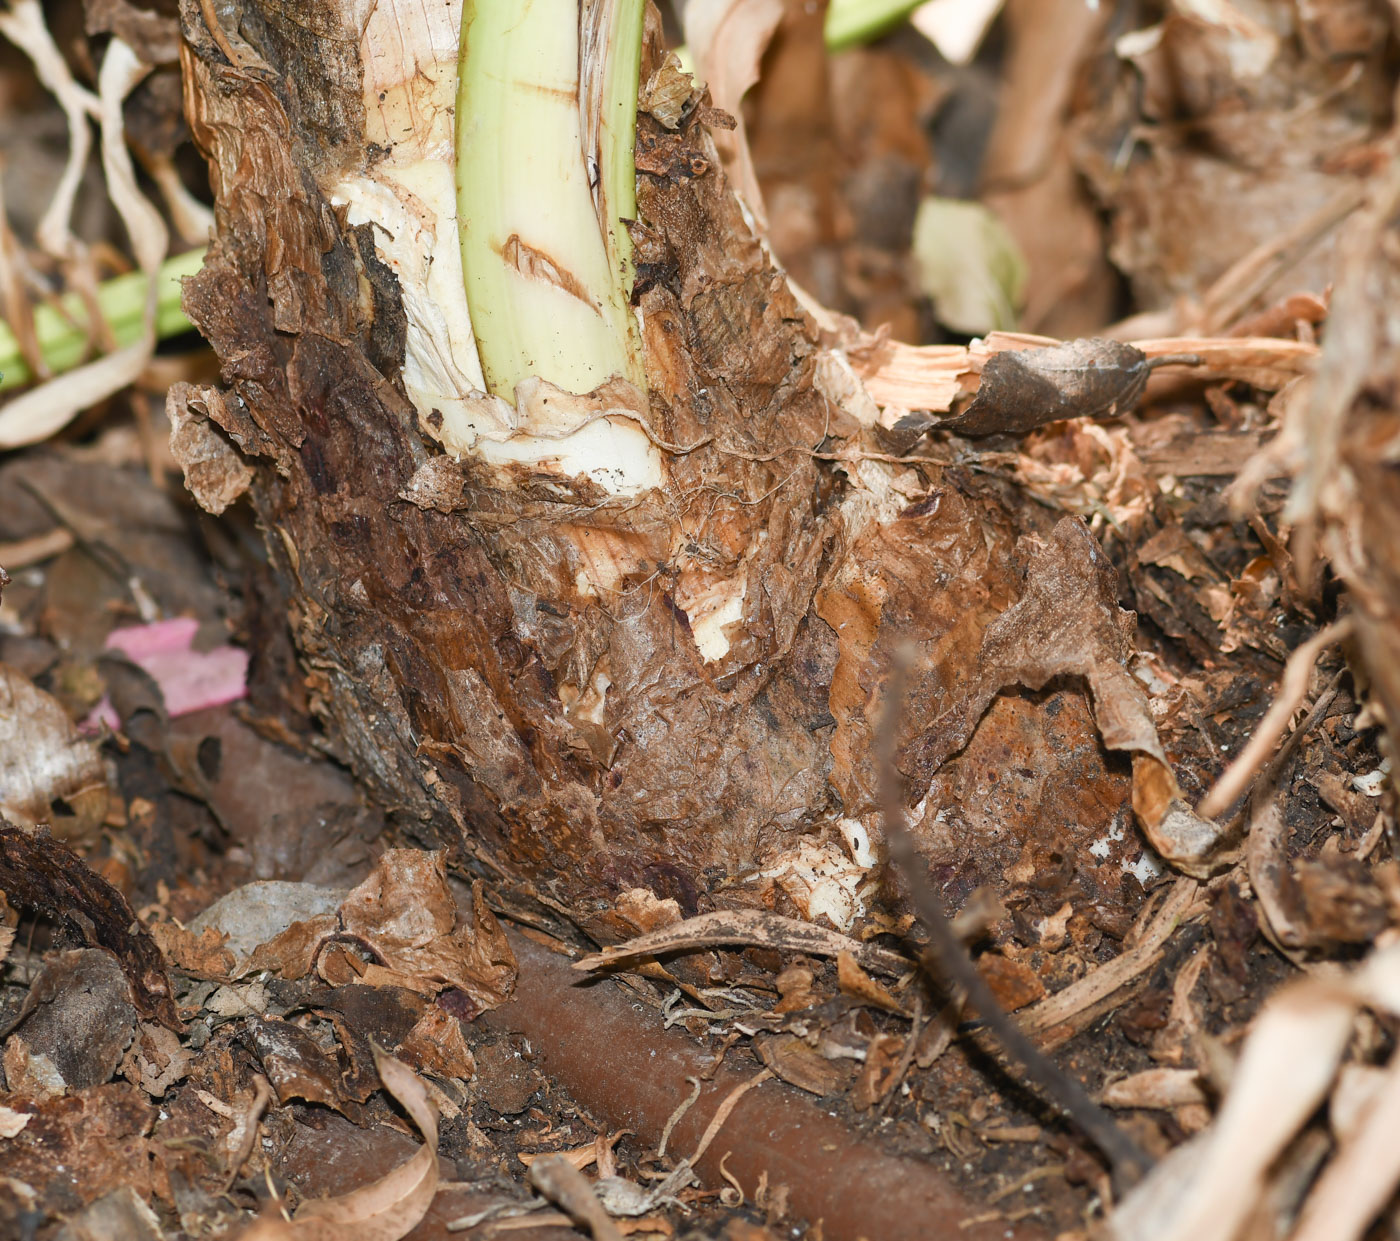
955, 966
674, 1119
565, 1186
1291, 692
906, 1057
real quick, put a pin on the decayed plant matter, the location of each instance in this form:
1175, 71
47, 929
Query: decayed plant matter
630, 642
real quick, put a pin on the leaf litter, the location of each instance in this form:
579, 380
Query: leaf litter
1232, 166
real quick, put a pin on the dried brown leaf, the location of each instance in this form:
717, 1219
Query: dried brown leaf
1025, 389
156, 1059
804, 1067
405, 917
728, 39
562, 1183
78, 1013
215, 474
202, 954
882, 1059
857, 984
44, 760
386, 1209
437, 1045
1067, 623
297, 1066
1158, 1088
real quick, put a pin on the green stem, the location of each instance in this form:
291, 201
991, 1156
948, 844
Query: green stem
849, 22
65, 334
548, 286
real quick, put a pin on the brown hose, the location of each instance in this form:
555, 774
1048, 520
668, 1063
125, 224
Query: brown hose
610, 1053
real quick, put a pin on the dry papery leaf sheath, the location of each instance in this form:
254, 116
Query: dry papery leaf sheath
601, 685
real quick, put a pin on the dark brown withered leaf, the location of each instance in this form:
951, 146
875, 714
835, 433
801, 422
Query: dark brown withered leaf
79, 1014
790, 1059
297, 1066
40, 875
1025, 388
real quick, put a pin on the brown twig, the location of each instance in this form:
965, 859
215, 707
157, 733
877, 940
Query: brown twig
954, 965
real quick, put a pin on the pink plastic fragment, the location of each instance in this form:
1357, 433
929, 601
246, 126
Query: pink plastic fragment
190, 680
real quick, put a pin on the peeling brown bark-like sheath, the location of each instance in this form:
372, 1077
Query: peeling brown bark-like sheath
952, 963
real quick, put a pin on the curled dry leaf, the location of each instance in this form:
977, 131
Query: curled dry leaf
790, 1059
214, 472
405, 917
386, 1209
1024, 389
728, 39
750, 928
44, 760
859, 986
564, 1185
1157, 1088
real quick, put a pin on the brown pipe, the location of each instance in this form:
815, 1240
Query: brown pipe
610, 1053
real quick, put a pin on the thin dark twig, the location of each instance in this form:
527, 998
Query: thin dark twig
953, 965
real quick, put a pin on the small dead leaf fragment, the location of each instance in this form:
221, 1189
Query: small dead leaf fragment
202, 954
1025, 388
857, 984
392, 1206
79, 1014
802, 1066
1342, 902
214, 472
565, 1186
1158, 1088
1067, 623
156, 1060
405, 917
668, 92
436, 1045
882, 1058
43, 760
1015, 985
297, 1066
